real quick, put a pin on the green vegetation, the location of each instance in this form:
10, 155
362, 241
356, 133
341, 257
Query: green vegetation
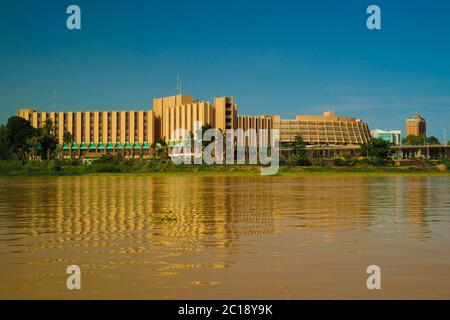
19, 140
22, 147
376, 148
296, 155
16, 138
433, 141
412, 140
4, 149
109, 164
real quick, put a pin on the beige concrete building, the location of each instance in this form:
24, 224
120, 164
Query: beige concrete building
326, 129
103, 131
182, 112
257, 123
96, 131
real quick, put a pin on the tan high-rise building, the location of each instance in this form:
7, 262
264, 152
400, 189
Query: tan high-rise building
182, 112
416, 126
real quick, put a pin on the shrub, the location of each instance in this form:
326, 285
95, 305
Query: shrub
445, 161
377, 161
339, 162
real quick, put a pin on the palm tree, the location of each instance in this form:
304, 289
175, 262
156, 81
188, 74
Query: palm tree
34, 143
205, 128
299, 147
59, 150
68, 139
296, 150
162, 149
48, 139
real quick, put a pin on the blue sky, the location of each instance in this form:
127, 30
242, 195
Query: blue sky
274, 57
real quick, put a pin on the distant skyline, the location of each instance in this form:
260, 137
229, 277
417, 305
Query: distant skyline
281, 58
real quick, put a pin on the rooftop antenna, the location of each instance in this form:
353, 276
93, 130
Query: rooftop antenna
445, 137
54, 100
178, 85
415, 105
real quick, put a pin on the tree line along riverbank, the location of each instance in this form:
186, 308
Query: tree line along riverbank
27, 151
159, 166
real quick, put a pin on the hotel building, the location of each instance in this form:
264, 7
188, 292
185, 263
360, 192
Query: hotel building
416, 126
96, 131
138, 130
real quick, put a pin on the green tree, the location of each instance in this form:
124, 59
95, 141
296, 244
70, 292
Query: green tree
162, 151
4, 146
433, 140
18, 134
299, 147
205, 128
34, 146
297, 152
48, 139
413, 140
376, 148
68, 139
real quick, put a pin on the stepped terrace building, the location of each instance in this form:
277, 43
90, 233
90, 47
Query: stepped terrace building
327, 129
134, 132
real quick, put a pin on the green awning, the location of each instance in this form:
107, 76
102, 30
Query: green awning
66, 146
119, 145
83, 146
101, 146
158, 145
145, 146
74, 146
181, 144
92, 146
185, 143
127, 145
136, 146
39, 146
109, 146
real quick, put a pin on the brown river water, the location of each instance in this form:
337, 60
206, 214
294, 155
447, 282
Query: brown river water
197, 237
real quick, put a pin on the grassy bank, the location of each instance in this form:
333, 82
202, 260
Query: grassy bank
161, 167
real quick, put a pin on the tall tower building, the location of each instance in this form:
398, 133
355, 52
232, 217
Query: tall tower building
416, 126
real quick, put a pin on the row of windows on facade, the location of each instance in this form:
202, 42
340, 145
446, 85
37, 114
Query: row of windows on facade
313, 129
322, 126
331, 134
91, 118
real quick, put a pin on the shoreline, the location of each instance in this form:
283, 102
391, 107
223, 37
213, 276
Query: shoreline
227, 171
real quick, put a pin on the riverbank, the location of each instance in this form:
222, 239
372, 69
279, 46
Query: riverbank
161, 167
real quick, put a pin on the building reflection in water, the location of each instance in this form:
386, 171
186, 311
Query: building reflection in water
421, 195
172, 224
187, 212
157, 217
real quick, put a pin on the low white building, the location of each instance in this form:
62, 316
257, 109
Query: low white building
392, 136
